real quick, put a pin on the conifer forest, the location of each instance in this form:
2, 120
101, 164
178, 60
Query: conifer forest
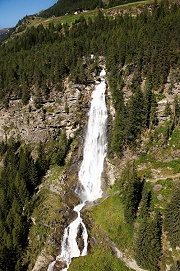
36, 61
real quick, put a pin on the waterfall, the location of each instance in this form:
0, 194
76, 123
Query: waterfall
89, 175
95, 145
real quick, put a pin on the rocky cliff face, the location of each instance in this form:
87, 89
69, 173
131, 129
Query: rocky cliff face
66, 109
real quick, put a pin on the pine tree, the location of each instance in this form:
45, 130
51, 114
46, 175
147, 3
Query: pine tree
42, 163
176, 110
132, 196
25, 94
153, 113
141, 248
172, 218
118, 131
175, 266
148, 247
33, 174
136, 117
145, 203
148, 100
167, 110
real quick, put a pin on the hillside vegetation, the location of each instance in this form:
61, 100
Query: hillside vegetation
63, 7
140, 216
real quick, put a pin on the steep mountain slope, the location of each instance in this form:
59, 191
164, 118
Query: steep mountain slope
47, 74
68, 6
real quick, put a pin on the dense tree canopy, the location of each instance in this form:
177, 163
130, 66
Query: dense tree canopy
148, 246
35, 62
19, 180
172, 219
38, 58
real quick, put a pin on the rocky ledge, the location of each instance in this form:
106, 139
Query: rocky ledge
62, 110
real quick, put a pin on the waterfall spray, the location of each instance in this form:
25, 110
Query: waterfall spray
95, 147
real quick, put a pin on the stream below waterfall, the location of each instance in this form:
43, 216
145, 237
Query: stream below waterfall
94, 152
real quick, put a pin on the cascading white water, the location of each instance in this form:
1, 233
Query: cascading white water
95, 145
89, 174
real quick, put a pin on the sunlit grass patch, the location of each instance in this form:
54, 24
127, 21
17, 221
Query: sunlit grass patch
161, 193
100, 259
109, 217
174, 141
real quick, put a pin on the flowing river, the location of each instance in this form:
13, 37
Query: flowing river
89, 175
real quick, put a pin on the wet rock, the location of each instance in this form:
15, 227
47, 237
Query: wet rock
71, 217
57, 235
59, 265
79, 239
71, 199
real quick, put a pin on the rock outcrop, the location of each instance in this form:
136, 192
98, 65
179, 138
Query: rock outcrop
62, 110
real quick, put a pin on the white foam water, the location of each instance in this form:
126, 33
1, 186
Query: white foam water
95, 147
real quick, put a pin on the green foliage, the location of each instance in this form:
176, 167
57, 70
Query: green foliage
148, 100
161, 136
130, 192
145, 203
150, 52
176, 110
109, 218
68, 6
18, 181
148, 245
146, 46
167, 110
175, 267
118, 133
101, 259
139, 112
42, 163
172, 218
135, 119
58, 149
174, 140
159, 96
3, 148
